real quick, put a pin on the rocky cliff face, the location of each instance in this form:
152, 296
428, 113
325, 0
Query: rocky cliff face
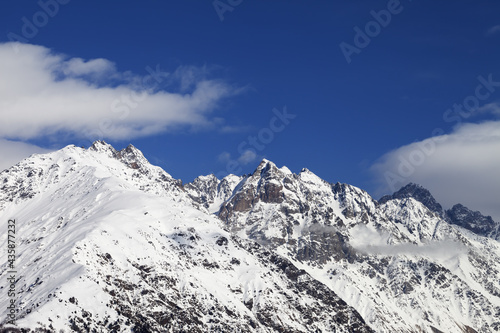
473, 221
209, 193
418, 193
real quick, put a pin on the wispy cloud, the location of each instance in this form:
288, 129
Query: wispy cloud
43, 93
493, 30
235, 129
491, 108
374, 242
224, 157
248, 156
461, 167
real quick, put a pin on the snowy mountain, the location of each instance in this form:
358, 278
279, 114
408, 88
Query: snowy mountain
473, 221
416, 192
399, 263
106, 242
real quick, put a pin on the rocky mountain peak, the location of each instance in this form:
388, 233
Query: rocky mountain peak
265, 168
132, 157
418, 193
203, 189
210, 192
101, 146
473, 221
211, 179
355, 202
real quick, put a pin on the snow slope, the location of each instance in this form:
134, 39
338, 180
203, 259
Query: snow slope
108, 243
398, 262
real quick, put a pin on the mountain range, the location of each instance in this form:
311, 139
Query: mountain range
107, 242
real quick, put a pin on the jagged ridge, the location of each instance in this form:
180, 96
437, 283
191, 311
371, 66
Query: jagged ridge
330, 257
109, 243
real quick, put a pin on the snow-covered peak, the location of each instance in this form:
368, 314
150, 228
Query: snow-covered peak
355, 202
232, 179
209, 193
102, 147
264, 167
40, 172
285, 170
473, 221
308, 176
132, 157
203, 189
417, 192
207, 178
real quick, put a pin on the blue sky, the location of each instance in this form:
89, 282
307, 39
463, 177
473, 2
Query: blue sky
235, 67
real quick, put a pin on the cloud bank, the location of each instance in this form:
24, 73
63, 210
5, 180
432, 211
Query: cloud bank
461, 167
46, 94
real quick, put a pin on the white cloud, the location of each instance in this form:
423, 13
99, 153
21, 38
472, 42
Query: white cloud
12, 152
78, 66
248, 156
43, 94
462, 167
